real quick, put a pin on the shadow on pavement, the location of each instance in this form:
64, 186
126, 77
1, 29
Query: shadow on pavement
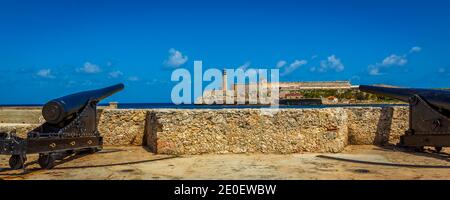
77, 156
383, 163
427, 152
117, 164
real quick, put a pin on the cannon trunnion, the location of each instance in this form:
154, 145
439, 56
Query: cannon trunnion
429, 115
70, 127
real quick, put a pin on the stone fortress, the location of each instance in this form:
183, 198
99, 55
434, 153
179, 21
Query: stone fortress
200, 131
246, 130
287, 90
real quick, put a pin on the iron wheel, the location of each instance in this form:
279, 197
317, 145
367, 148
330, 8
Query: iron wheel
46, 161
16, 162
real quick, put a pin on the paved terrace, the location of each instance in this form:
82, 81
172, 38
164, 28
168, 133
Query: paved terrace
355, 162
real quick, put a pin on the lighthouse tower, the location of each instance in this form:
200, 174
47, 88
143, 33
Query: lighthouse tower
224, 81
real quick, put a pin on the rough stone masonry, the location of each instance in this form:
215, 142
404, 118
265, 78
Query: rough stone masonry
199, 131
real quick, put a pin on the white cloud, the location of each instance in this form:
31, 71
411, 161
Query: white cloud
176, 59
152, 82
133, 78
89, 68
444, 71
394, 60
115, 74
281, 63
332, 63
374, 70
293, 66
155, 82
45, 73
415, 49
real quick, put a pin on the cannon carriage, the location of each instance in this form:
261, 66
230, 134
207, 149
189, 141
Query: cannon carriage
70, 127
429, 115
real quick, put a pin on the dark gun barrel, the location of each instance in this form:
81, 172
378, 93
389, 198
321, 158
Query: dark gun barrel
437, 98
56, 110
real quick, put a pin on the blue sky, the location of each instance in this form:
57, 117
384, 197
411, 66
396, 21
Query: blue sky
52, 48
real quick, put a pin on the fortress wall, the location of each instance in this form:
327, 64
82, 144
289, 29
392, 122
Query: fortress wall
122, 126
288, 131
20, 120
376, 125
247, 131
21, 130
197, 131
20, 116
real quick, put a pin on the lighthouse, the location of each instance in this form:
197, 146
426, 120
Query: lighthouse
224, 81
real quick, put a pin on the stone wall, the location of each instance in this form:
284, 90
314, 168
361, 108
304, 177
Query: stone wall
118, 127
20, 116
247, 131
188, 131
377, 125
122, 126
21, 130
288, 131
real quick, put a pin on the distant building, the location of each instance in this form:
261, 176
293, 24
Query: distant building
292, 95
310, 85
287, 90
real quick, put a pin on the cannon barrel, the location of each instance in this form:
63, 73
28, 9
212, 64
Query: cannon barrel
437, 98
56, 110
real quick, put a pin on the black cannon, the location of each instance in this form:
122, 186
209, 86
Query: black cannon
429, 115
70, 127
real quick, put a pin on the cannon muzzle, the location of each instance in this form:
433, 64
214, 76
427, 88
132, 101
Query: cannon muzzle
437, 98
56, 110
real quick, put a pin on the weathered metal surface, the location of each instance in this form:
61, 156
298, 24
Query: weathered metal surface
429, 112
71, 127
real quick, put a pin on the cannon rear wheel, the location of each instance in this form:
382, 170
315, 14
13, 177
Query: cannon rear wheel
438, 149
16, 161
46, 161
